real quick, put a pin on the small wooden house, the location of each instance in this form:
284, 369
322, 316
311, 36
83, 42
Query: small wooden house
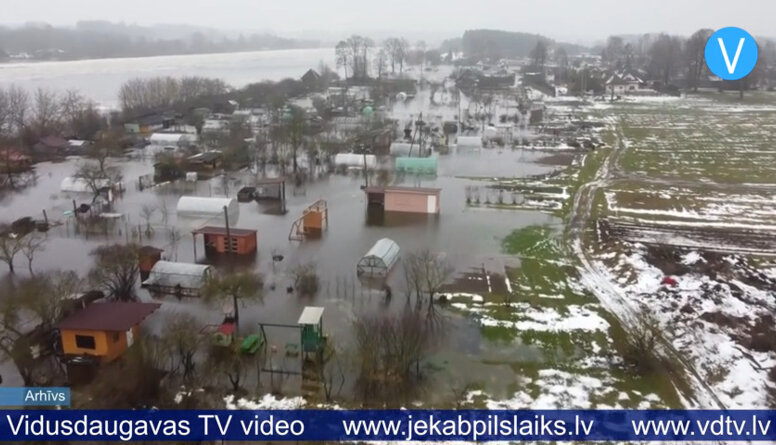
405, 199
103, 330
219, 240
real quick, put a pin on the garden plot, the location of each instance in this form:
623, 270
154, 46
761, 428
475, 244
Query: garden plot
699, 140
686, 226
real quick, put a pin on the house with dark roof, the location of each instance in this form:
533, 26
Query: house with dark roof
103, 330
311, 79
624, 82
51, 146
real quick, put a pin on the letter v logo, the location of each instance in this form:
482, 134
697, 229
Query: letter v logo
731, 66
718, 51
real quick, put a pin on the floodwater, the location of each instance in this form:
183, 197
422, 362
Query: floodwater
101, 79
468, 238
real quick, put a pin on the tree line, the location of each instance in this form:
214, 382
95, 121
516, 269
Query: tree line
112, 40
361, 57
26, 116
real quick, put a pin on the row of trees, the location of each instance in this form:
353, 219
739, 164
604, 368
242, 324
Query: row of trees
355, 56
672, 59
27, 116
143, 95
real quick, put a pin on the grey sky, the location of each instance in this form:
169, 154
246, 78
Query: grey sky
570, 20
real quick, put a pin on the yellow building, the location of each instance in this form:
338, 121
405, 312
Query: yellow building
103, 330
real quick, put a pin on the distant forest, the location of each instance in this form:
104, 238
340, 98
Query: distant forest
494, 45
97, 39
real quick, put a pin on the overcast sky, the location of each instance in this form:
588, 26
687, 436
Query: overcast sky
569, 20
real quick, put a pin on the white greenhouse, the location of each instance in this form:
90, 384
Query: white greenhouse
81, 185
355, 160
379, 260
203, 209
182, 279
469, 142
172, 139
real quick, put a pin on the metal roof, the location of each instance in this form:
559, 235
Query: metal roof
112, 316
385, 249
170, 274
311, 315
210, 230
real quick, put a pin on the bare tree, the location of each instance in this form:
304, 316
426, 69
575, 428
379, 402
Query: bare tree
240, 287
665, 54
31, 245
115, 270
181, 339
46, 112
306, 279
96, 176
694, 54
10, 245
389, 351
397, 49
174, 236
147, 212
427, 273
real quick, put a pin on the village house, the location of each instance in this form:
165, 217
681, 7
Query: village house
103, 330
624, 82
14, 160
311, 80
51, 147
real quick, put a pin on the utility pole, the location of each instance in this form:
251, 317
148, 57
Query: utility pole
228, 232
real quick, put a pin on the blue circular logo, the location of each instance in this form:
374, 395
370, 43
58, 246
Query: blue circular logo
731, 53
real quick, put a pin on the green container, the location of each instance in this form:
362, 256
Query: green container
251, 344
418, 166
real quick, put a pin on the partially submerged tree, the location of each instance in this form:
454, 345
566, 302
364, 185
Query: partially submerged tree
238, 288
389, 350
31, 245
29, 309
180, 338
97, 176
425, 273
306, 281
10, 245
115, 270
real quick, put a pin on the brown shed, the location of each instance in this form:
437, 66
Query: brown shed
147, 257
239, 241
405, 199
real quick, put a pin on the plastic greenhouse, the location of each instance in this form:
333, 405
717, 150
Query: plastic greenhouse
379, 260
426, 166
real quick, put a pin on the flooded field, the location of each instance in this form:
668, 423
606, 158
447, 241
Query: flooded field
686, 232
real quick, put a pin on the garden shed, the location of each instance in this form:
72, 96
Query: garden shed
181, 279
418, 166
379, 260
469, 142
195, 207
